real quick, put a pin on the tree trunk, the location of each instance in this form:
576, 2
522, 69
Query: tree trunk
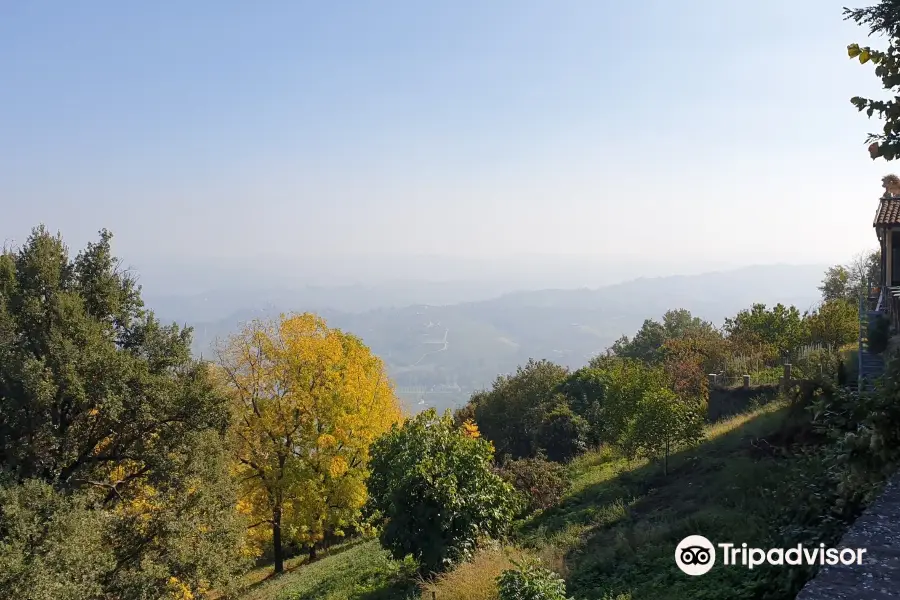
276, 541
312, 552
666, 460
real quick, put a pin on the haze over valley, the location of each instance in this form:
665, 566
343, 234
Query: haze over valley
442, 340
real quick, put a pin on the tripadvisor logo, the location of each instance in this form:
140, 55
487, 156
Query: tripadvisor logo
696, 555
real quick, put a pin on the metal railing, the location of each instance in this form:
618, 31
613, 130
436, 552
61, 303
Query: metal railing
863, 335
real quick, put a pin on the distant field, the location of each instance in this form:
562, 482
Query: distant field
416, 402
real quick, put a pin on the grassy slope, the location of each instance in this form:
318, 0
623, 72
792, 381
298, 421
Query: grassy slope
617, 527
620, 523
357, 570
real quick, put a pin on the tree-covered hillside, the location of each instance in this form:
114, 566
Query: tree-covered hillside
490, 337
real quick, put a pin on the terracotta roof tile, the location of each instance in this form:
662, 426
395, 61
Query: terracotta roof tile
888, 212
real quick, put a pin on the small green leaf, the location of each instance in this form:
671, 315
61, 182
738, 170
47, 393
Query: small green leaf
853, 50
864, 57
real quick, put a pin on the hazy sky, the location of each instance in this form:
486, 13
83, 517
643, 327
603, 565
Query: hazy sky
653, 129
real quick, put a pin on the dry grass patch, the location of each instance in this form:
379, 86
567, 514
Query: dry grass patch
475, 579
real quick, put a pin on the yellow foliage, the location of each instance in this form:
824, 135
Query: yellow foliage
471, 429
244, 507
307, 403
179, 590
338, 467
102, 445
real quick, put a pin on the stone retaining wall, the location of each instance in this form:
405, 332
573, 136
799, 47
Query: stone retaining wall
878, 578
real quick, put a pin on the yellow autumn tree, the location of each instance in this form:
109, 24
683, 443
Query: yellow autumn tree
308, 401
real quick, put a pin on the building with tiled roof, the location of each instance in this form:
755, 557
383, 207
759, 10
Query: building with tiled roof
887, 228
888, 213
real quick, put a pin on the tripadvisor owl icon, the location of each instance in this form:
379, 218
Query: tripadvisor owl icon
695, 555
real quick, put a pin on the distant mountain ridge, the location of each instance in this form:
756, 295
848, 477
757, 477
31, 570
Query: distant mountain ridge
439, 353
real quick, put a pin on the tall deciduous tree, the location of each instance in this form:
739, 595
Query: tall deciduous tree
511, 412
683, 363
647, 344
99, 400
836, 284
585, 390
834, 323
780, 328
625, 382
308, 401
850, 281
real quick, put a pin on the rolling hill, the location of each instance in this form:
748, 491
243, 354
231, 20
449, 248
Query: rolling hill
439, 355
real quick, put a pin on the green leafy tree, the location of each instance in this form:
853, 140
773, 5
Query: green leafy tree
836, 285
646, 342
781, 328
850, 281
684, 365
625, 383
585, 390
98, 399
511, 412
681, 324
662, 422
882, 20
434, 485
834, 323
649, 342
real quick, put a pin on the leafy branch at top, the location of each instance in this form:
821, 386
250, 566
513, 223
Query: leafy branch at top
882, 19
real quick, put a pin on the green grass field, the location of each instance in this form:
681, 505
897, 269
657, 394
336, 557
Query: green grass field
617, 527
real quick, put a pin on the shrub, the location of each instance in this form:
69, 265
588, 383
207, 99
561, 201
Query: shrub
861, 431
541, 482
434, 485
817, 363
51, 545
879, 334
531, 582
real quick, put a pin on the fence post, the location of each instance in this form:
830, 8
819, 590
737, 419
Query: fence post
787, 375
746, 382
712, 379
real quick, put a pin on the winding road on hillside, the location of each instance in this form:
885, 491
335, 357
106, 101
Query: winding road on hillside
442, 349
